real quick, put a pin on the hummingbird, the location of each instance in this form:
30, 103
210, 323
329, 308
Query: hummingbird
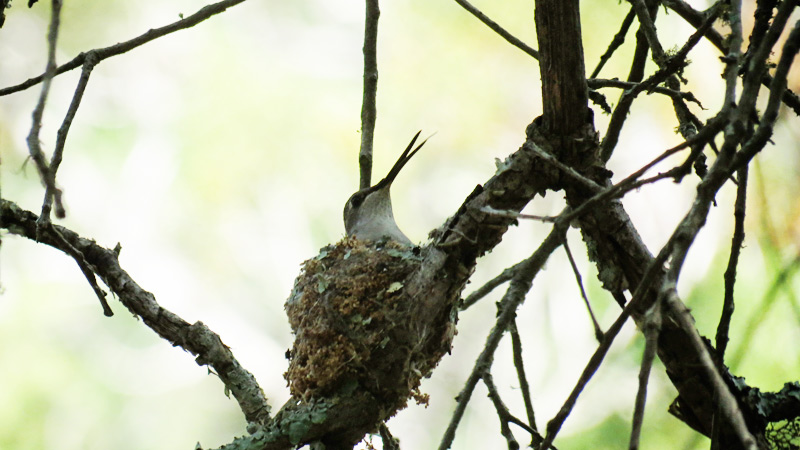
368, 213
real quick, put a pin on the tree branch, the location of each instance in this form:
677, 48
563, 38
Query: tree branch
195, 338
47, 175
123, 47
737, 241
652, 326
565, 96
618, 40
510, 38
369, 111
513, 298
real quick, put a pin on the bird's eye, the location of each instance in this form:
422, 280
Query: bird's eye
356, 200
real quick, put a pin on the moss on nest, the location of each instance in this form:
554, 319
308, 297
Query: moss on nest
349, 311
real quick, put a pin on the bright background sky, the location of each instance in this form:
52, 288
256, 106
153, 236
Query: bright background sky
220, 158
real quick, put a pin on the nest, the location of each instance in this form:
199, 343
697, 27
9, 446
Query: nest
354, 326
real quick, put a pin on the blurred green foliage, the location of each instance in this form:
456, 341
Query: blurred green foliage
220, 158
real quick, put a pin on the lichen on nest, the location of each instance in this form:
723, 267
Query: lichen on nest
349, 311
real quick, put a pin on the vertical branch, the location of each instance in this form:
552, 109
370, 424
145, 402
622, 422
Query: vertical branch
516, 345
34, 146
652, 327
368, 103
565, 95
721, 338
620, 114
734, 55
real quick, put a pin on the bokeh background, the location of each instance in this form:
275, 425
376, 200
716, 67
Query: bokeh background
220, 158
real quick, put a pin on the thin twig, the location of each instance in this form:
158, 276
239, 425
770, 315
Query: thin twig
757, 66
631, 181
516, 347
726, 162
597, 83
764, 131
651, 329
650, 274
648, 27
87, 271
516, 215
598, 333
574, 174
695, 18
61, 135
620, 114
498, 29
667, 68
554, 425
618, 40
123, 47
34, 145
503, 413
734, 56
512, 299
721, 338
489, 286
369, 112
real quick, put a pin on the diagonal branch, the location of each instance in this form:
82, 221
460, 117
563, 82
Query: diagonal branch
510, 38
513, 298
516, 346
616, 42
61, 136
123, 47
195, 338
639, 297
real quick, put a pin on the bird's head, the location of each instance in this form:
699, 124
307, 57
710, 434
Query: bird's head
368, 213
